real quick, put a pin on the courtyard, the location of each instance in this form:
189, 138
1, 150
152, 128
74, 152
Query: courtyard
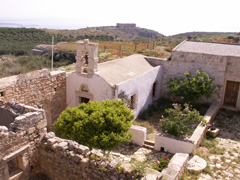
221, 153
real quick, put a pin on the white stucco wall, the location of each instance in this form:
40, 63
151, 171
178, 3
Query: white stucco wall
172, 145
142, 87
100, 90
97, 86
139, 134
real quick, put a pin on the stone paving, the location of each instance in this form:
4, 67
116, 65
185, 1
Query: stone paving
227, 165
128, 152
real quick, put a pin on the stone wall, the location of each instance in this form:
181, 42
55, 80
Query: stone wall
221, 68
176, 167
19, 142
63, 159
42, 88
200, 132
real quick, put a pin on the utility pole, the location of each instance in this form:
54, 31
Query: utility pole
52, 52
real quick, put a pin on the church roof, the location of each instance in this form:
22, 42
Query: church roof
209, 48
120, 70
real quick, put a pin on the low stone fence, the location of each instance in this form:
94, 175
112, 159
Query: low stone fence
19, 139
173, 144
176, 166
139, 134
65, 159
177, 145
200, 131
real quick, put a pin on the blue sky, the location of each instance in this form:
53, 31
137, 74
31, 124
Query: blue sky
167, 17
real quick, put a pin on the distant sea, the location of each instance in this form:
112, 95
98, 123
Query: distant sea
44, 23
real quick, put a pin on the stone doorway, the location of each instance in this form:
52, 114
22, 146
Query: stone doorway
231, 93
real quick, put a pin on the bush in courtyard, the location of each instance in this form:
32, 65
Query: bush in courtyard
181, 121
192, 88
101, 125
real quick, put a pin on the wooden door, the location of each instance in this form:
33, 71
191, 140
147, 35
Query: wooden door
231, 93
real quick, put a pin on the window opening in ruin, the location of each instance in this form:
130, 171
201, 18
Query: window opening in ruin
154, 89
55, 89
83, 100
1, 94
15, 167
162, 149
133, 101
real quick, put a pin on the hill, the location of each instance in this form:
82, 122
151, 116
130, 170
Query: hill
196, 33
109, 33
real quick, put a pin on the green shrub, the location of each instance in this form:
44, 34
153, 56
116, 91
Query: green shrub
192, 88
97, 125
181, 121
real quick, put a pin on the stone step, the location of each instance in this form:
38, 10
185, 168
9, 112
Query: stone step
15, 174
148, 142
148, 146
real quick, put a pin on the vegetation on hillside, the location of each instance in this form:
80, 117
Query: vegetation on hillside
18, 41
119, 34
23, 64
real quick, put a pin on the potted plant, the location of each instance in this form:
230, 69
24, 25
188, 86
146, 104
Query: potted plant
212, 130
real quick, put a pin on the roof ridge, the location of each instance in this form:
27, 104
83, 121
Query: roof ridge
211, 42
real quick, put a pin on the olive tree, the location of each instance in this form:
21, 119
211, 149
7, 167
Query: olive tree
191, 87
101, 125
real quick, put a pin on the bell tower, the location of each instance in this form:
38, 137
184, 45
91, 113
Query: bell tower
86, 58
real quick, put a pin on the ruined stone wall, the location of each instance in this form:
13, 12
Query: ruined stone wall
42, 87
63, 159
19, 142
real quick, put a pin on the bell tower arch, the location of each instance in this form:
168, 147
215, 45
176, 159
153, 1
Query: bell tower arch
86, 58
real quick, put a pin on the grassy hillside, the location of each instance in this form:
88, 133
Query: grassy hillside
219, 37
110, 33
18, 41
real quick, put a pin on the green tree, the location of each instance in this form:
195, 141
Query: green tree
192, 88
101, 125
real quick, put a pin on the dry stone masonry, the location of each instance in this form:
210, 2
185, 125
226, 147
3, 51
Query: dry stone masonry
19, 139
42, 87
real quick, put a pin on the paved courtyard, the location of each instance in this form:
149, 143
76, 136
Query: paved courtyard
224, 159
